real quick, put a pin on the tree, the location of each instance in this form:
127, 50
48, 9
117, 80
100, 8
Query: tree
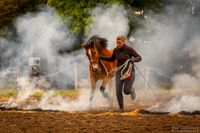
10, 9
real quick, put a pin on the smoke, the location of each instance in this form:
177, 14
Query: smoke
109, 22
48, 102
186, 103
185, 82
169, 45
41, 35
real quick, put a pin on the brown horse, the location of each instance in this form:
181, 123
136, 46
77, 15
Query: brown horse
99, 70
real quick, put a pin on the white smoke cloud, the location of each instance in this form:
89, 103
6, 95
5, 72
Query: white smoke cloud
82, 103
41, 35
172, 51
49, 102
186, 103
109, 22
185, 82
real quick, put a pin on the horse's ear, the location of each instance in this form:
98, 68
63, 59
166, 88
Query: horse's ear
91, 43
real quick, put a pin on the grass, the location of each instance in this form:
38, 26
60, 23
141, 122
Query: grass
6, 93
37, 94
70, 93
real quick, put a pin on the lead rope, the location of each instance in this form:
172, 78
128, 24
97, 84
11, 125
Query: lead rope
146, 82
123, 66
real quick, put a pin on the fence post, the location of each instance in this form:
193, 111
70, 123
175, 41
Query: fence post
75, 76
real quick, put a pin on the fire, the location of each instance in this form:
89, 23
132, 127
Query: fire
132, 113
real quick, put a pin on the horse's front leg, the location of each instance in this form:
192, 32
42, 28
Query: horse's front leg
93, 86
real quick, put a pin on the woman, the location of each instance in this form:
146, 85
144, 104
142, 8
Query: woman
122, 53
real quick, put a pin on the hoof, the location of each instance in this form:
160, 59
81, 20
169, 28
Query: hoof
102, 89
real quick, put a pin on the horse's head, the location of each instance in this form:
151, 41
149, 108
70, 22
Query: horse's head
92, 54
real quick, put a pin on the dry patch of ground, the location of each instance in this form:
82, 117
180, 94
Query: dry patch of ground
63, 122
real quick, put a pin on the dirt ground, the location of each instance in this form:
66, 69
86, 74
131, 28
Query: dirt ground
102, 120
98, 122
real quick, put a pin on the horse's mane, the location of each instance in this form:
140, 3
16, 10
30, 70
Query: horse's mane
101, 41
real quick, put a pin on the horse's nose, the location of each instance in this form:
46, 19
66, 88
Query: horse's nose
95, 67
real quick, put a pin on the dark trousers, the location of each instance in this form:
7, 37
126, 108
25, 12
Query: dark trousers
123, 85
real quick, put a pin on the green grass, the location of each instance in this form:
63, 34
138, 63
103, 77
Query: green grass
8, 93
65, 93
70, 93
37, 94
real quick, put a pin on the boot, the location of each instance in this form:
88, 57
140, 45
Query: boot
121, 110
133, 94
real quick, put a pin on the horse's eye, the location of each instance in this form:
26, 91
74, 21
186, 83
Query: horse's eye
93, 53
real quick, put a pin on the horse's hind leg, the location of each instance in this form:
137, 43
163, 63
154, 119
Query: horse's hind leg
102, 89
105, 94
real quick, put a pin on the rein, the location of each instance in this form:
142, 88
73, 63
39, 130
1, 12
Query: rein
107, 73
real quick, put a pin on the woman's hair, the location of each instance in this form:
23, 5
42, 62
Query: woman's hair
121, 37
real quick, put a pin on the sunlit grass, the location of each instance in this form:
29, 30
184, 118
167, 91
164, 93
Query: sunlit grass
37, 94
6, 93
69, 93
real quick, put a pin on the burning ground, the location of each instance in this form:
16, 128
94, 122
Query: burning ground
63, 112
136, 118
42, 122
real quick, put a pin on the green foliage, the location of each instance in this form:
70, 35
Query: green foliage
75, 13
9, 9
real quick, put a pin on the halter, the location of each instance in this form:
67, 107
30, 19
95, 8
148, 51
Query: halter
100, 61
104, 67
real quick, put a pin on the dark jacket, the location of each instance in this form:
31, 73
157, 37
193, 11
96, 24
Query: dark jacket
122, 54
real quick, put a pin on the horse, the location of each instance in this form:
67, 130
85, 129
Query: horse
99, 70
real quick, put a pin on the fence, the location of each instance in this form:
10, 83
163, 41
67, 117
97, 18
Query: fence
160, 76
12, 74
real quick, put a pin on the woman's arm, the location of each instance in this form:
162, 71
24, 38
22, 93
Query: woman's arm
107, 58
137, 57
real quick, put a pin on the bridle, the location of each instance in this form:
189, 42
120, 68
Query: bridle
97, 64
